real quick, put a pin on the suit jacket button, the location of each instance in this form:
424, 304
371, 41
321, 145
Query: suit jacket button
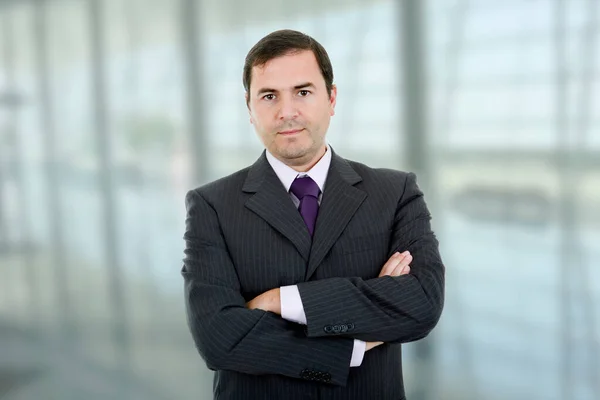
344, 328
337, 328
328, 329
350, 327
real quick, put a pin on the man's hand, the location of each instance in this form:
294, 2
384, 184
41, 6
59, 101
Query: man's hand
371, 345
397, 265
268, 301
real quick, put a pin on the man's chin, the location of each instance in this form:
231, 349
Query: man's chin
294, 155
293, 150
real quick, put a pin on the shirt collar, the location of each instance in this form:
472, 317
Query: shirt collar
287, 174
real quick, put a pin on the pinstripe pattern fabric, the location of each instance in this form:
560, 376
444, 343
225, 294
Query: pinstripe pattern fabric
244, 236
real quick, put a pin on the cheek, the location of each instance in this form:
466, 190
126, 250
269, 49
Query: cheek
263, 117
265, 128
320, 117
320, 112
256, 120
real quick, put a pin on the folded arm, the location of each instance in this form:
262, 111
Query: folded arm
230, 336
389, 308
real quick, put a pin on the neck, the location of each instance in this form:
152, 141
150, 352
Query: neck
311, 163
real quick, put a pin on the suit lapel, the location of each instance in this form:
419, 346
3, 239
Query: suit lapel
273, 204
339, 203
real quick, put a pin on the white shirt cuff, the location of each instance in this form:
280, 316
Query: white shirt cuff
292, 308
358, 353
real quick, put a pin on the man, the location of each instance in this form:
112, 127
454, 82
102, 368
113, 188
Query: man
283, 304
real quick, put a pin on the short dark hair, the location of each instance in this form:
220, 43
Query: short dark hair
280, 43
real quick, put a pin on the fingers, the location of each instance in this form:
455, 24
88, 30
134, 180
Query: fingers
403, 266
371, 345
401, 270
391, 264
395, 265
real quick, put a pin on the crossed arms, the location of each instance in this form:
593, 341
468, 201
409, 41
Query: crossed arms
397, 265
395, 307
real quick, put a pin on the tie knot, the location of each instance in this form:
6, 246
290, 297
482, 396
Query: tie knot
305, 186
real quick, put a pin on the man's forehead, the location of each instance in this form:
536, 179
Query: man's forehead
286, 72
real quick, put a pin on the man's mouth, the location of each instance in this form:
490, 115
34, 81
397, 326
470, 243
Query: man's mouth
290, 132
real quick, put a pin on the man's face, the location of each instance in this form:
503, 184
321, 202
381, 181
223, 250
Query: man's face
290, 108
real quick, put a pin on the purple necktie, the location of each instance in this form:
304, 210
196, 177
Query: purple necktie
307, 191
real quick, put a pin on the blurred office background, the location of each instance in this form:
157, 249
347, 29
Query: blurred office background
111, 110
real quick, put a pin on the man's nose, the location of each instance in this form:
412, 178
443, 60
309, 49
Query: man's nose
288, 109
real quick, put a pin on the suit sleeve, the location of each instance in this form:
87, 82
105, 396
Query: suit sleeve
389, 309
229, 336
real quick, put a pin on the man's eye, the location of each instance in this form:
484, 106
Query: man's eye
304, 93
269, 96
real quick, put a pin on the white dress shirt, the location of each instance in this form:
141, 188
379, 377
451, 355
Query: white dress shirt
292, 308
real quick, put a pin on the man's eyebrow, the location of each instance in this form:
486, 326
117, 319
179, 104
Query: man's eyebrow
304, 85
297, 87
265, 90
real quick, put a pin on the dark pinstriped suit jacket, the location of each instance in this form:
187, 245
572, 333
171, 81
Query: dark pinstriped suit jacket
244, 236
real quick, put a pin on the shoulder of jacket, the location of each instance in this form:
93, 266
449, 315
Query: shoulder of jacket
379, 173
234, 180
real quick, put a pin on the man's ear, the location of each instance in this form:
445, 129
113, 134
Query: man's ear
248, 106
332, 100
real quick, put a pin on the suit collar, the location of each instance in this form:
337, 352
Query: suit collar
287, 174
262, 171
257, 174
339, 203
341, 199
272, 203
